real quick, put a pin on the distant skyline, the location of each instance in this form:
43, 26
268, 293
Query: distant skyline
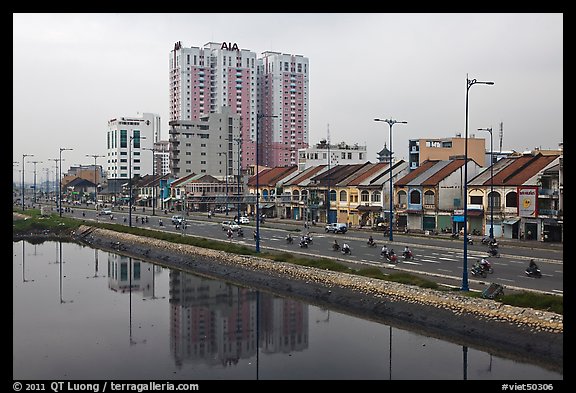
74, 72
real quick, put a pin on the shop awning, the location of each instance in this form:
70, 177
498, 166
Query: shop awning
475, 213
364, 208
511, 221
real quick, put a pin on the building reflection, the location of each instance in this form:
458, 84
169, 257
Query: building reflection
216, 323
125, 273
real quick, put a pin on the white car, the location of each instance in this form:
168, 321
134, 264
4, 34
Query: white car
230, 225
105, 212
244, 220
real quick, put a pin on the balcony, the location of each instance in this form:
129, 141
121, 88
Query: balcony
548, 212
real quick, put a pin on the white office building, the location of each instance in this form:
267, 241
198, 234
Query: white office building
127, 139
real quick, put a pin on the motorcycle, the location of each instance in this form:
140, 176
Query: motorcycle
371, 243
493, 252
486, 240
240, 233
470, 241
346, 251
479, 270
303, 244
308, 238
408, 255
289, 239
455, 236
336, 247
534, 272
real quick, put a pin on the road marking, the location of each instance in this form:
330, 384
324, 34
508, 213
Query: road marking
411, 263
429, 260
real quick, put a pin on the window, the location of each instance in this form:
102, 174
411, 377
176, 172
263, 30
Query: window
476, 200
402, 198
123, 138
376, 196
494, 198
511, 199
429, 198
415, 197
364, 196
343, 196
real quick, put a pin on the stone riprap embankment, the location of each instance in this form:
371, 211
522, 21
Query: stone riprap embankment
522, 333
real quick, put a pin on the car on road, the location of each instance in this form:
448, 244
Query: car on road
244, 220
230, 225
336, 227
177, 220
105, 212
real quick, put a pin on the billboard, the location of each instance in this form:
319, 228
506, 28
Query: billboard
528, 201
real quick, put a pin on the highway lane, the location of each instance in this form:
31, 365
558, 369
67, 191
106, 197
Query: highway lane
437, 259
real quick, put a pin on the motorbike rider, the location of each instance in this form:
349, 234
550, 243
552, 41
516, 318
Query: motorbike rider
484, 264
384, 251
407, 252
240, 233
229, 233
345, 248
532, 267
370, 240
289, 238
335, 246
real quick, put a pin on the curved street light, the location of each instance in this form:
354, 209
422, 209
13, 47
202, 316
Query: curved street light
258, 117
489, 129
226, 153
469, 84
95, 181
391, 123
132, 137
23, 157
60, 182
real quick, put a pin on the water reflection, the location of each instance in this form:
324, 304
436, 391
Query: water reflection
62, 276
214, 322
200, 328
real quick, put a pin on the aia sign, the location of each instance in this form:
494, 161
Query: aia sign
229, 46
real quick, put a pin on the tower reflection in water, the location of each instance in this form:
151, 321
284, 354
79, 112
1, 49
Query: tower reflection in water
213, 322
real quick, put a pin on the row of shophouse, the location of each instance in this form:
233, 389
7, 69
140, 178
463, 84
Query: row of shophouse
520, 195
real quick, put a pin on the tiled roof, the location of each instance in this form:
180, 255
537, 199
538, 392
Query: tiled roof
415, 173
271, 176
305, 175
444, 172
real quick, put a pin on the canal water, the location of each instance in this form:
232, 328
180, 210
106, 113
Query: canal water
83, 313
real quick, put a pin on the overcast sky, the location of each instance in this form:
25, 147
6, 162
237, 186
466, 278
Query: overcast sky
74, 72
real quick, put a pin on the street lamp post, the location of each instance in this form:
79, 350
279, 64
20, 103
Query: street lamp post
60, 182
391, 123
153, 150
489, 129
95, 180
469, 83
239, 142
132, 137
24, 156
34, 193
226, 153
55, 175
258, 117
